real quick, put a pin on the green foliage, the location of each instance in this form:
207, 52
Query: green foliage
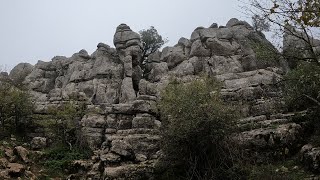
302, 86
151, 41
296, 12
195, 129
64, 121
294, 21
16, 107
284, 170
304, 12
266, 53
58, 159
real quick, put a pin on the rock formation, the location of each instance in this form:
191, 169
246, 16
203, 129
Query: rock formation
122, 127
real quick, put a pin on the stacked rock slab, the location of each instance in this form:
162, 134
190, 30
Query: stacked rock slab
122, 123
128, 46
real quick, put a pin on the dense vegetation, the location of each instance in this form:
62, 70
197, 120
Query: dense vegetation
197, 124
16, 109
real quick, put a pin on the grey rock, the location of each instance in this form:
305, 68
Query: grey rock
235, 22
157, 71
93, 120
143, 106
214, 25
22, 153
199, 50
127, 92
123, 35
143, 122
184, 42
173, 56
20, 72
110, 157
183, 69
154, 57
121, 148
221, 48
38, 143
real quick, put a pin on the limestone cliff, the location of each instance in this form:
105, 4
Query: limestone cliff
123, 131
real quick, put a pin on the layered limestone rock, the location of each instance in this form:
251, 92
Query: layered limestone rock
122, 126
128, 47
93, 79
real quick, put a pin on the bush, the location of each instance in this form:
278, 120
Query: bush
16, 108
302, 86
283, 170
58, 159
196, 124
64, 123
266, 53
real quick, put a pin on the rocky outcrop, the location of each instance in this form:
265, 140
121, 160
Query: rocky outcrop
129, 46
20, 71
15, 163
123, 121
310, 157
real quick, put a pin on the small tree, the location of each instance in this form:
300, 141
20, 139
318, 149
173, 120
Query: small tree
15, 105
151, 42
66, 126
196, 124
302, 87
296, 21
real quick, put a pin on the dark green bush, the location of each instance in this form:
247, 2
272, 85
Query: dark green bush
16, 109
59, 158
196, 124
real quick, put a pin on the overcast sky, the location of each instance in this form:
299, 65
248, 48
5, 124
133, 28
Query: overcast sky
33, 30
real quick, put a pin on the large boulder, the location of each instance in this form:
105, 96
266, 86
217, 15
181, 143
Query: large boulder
125, 37
20, 72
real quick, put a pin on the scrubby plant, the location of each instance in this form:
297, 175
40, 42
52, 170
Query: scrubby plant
65, 123
196, 126
302, 86
266, 54
16, 108
58, 159
283, 170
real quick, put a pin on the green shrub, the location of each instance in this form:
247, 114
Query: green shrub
196, 123
64, 123
302, 86
16, 109
266, 53
58, 159
283, 170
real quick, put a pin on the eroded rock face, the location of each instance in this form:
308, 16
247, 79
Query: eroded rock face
123, 124
94, 79
129, 46
20, 71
